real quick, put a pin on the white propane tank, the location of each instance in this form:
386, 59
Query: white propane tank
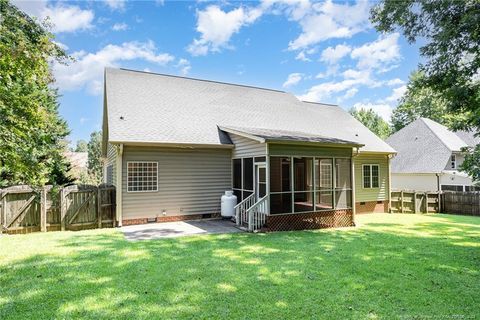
229, 201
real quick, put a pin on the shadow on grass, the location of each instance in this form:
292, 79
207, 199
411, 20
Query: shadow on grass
426, 269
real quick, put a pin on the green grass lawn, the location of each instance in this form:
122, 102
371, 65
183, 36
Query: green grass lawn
390, 267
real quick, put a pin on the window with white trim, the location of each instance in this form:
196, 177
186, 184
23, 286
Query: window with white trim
453, 161
142, 176
371, 178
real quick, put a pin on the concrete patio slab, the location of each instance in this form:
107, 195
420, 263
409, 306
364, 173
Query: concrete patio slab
177, 229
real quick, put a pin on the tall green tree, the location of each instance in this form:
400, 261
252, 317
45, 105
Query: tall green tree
422, 102
450, 46
95, 164
372, 121
82, 146
31, 130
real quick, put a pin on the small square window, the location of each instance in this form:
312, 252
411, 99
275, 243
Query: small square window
142, 176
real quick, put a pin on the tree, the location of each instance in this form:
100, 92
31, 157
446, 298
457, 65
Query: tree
422, 102
372, 121
82, 146
450, 35
31, 130
95, 164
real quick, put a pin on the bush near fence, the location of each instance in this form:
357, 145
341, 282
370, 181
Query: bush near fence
24, 209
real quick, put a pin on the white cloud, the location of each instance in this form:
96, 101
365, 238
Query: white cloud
302, 57
350, 93
64, 18
334, 54
87, 70
322, 21
120, 26
116, 4
397, 93
394, 82
293, 79
217, 27
379, 53
383, 110
184, 66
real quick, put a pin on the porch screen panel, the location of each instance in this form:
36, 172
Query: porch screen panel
248, 174
280, 185
237, 173
343, 184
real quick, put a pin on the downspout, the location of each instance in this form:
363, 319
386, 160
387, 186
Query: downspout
438, 181
119, 183
354, 189
390, 156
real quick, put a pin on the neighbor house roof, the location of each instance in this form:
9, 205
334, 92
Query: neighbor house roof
425, 146
144, 107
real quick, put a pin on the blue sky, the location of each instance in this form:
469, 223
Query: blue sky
320, 51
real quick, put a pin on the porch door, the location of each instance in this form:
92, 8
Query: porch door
260, 180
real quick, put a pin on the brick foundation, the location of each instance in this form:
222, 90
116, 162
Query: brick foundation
311, 220
371, 206
128, 222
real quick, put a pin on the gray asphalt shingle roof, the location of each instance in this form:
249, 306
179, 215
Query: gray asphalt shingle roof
424, 146
283, 135
155, 108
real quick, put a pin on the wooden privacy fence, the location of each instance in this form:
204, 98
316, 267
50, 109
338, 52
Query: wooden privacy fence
409, 201
24, 209
467, 203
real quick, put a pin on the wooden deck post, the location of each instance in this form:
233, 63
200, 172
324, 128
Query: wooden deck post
63, 209
415, 201
99, 207
43, 210
439, 205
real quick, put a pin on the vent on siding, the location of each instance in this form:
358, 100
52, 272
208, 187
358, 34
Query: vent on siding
206, 216
151, 220
379, 202
362, 203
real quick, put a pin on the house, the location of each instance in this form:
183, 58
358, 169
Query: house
174, 145
428, 157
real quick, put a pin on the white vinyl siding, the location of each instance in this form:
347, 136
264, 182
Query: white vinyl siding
245, 147
190, 181
111, 165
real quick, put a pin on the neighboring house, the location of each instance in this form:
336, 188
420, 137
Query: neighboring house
174, 145
428, 157
79, 163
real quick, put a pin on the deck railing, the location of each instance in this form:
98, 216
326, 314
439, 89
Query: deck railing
251, 214
241, 217
257, 214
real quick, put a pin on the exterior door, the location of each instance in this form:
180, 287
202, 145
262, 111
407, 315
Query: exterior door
260, 181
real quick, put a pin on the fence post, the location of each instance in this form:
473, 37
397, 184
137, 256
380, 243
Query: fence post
43, 210
426, 202
63, 208
439, 206
401, 200
415, 201
3, 195
1, 214
99, 207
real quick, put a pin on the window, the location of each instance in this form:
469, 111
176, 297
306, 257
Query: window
371, 178
110, 174
447, 187
142, 176
453, 161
